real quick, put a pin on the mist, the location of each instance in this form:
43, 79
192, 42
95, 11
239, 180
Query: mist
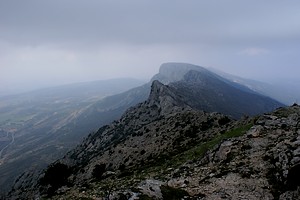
47, 43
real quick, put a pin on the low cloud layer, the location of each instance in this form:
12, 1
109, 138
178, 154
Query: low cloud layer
61, 41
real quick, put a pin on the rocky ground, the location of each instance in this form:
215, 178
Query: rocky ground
262, 163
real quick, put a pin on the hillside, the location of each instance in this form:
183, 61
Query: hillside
286, 92
163, 147
40, 126
58, 128
206, 91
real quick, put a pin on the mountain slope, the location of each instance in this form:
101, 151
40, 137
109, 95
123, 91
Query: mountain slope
132, 141
205, 91
40, 126
284, 91
195, 87
164, 149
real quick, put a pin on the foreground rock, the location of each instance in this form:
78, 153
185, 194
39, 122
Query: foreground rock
264, 163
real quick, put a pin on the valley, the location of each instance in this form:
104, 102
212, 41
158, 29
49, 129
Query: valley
40, 126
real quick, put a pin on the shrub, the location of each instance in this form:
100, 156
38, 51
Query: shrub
143, 152
99, 171
223, 120
55, 176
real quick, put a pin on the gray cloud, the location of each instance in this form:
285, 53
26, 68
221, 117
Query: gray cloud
77, 40
147, 21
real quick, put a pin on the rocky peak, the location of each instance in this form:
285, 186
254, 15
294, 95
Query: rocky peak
178, 69
157, 89
171, 72
165, 98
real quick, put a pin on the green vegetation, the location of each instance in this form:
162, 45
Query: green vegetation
158, 170
200, 150
195, 152
98, 171
55, 176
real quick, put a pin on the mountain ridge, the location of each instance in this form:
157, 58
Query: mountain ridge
215, 95
213, 158
169, 98
158, 129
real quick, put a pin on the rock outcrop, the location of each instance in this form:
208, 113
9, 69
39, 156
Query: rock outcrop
263, 163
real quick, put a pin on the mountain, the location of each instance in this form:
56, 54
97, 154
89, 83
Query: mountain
56, 125
164, 149
173, 72
133, 137
284, 91
205, 91
179, 75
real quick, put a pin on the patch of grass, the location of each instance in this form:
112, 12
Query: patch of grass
200, 150
193, 153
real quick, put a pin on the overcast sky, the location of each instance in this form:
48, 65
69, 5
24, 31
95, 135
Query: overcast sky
45, 42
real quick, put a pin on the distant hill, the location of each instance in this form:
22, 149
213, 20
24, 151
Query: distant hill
82, 90
286, 92
205, 91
